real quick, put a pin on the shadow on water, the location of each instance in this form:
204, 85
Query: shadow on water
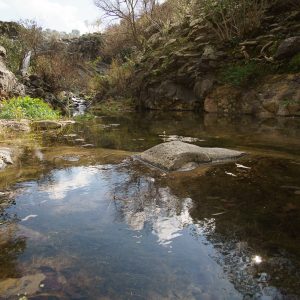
113, 229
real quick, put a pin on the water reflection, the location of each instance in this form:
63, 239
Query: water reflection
64, 181
121, 231
137, 132
11, 246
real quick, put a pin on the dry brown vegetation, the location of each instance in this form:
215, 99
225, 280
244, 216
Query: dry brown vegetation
232, 18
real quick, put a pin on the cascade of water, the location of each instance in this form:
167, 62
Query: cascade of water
26, 63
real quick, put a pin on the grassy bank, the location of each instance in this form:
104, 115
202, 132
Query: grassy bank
27, 108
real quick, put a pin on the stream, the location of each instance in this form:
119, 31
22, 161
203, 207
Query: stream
80, 220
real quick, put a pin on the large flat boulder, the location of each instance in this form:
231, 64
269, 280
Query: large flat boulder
177, 155
46, 125
49, 124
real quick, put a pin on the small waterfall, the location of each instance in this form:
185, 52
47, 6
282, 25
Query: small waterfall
26, 63
79, 106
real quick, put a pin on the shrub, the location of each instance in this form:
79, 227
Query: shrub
118, 43
295, 4
119, 75
232, 18
27, 108
60, 71
241, 74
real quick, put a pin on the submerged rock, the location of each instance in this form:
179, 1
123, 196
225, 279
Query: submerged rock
29, 284
177, 155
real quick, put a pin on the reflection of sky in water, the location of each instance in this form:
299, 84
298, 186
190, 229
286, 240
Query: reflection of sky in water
64, 181
94, 205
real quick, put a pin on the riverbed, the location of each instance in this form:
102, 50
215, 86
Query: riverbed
79, 219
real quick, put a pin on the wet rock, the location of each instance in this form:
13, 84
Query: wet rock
72, 135
288, 48
27, 285
67, 123
88, 146
176, 155
46, 125
22, 125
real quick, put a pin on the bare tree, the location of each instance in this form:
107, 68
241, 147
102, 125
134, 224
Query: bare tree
149, 6
126, 10
31, 35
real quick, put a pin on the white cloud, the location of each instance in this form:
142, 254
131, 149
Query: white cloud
62, 15
3, 5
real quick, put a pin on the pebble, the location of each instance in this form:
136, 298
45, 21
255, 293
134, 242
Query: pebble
88, 146
70, 135
264, 277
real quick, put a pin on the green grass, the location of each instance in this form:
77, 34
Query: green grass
242, 74
294, 64
27, 108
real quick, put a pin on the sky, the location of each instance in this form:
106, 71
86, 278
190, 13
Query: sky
61, 15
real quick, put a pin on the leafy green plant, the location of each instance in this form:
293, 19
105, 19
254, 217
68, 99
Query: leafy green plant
240, 74
287, 102
27, 108
294, 64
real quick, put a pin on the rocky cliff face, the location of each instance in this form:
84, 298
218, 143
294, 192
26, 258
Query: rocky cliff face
190, 69
9, 84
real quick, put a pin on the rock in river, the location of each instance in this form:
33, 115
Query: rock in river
5, 157
45, 125
177, 155
29, 284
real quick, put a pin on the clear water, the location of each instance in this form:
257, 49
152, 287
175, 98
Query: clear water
97, 229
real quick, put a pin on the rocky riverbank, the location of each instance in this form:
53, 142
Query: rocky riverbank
188, 68
9, 84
